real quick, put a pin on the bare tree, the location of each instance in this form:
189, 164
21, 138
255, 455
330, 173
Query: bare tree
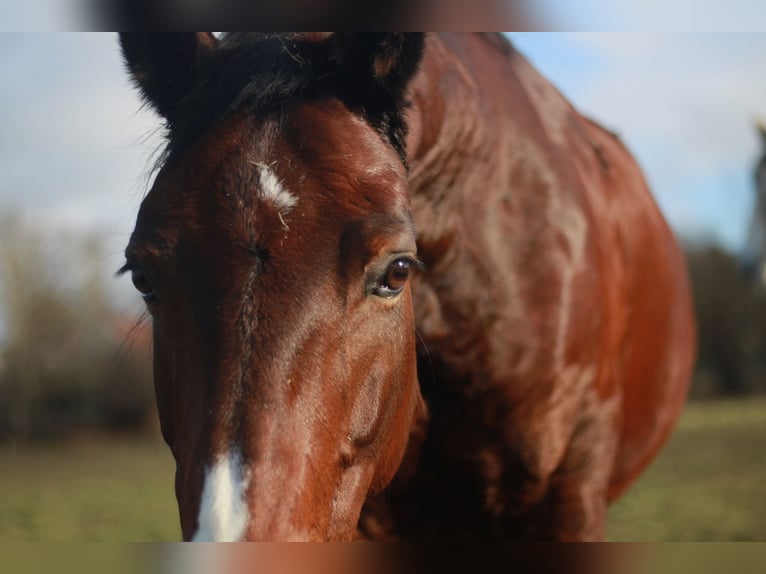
731, 316
61, 354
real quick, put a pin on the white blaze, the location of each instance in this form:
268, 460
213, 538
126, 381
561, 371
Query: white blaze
273, 191
223, 514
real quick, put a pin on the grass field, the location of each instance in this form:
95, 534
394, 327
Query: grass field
708, 484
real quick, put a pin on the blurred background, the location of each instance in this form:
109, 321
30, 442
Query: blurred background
80, 453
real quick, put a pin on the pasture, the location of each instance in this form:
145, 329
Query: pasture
708, 484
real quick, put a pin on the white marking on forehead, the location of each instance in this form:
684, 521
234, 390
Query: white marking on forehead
223, 514
272, 190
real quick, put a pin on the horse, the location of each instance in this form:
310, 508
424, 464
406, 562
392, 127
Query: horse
400, 290
752, 262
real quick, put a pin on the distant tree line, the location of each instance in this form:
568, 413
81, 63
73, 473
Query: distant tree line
68, 359
730, 305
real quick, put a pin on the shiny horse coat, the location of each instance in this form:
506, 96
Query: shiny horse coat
400, 289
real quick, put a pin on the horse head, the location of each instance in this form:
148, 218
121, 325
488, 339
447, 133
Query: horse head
274, 252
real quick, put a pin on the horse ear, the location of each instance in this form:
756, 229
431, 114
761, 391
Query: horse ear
380, 60
164, 65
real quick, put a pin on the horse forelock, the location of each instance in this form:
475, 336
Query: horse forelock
265, 73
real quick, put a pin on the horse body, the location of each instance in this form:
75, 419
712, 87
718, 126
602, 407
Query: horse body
555, 314
556, 336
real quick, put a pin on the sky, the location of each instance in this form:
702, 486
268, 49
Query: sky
76, 148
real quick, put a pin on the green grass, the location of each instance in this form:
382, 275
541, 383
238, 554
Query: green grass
90, 491
708, 484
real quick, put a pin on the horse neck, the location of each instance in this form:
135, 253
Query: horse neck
433, 134
449, 123
479, 111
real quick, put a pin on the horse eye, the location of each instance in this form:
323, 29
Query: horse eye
397, 274
394, 279
142, 284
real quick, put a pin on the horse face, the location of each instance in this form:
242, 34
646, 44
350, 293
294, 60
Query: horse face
274, 254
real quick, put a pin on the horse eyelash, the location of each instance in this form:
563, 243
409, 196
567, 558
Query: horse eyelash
416, 263
127, 268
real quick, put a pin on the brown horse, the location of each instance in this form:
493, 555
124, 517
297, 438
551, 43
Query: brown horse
400, 288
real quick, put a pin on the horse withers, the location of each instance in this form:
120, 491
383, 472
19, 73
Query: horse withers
400, 289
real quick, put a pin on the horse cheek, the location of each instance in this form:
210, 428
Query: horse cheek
405, 394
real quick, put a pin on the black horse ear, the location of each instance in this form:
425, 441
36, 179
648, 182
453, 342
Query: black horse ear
379, 60
164, 65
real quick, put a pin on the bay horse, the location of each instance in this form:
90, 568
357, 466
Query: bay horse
400, 289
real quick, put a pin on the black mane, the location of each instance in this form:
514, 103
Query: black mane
264, 73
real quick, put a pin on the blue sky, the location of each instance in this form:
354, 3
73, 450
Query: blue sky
76, 149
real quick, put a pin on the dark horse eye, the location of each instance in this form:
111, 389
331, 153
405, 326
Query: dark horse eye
142, 284
397, 274
394, 279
